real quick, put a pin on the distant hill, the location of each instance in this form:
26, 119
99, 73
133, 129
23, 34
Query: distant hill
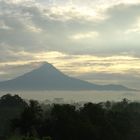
47, 77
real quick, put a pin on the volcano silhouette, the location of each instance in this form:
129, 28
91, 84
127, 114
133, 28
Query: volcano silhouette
47, 77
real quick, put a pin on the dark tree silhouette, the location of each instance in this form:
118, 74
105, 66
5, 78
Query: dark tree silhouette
100, 121
30, 119
10, 108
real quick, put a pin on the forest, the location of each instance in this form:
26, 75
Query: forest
31, 120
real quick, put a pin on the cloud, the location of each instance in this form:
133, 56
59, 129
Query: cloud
39, 27
123, 16
81, 36
97, 36
79, 64
3, 26
113, 78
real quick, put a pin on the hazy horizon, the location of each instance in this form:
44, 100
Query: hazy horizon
76, 96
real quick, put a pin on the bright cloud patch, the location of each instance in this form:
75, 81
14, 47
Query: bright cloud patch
70, 12
80, 36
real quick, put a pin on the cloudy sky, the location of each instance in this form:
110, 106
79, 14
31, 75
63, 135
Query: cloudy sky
94, 40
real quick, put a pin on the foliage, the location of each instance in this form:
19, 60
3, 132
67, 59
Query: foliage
10, 107
100, 121
47, 138
30, 119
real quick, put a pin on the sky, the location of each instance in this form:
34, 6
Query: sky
94, 40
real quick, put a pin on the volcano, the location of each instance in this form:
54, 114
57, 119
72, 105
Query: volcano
47, 77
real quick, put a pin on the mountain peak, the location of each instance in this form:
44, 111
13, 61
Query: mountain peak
46, 64
47, 77
46, 67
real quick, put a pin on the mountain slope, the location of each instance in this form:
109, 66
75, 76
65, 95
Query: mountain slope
47, 77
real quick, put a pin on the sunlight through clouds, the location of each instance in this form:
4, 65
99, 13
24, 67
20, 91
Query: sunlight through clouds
80, 64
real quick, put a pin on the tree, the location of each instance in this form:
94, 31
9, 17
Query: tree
11, 107
29, 120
